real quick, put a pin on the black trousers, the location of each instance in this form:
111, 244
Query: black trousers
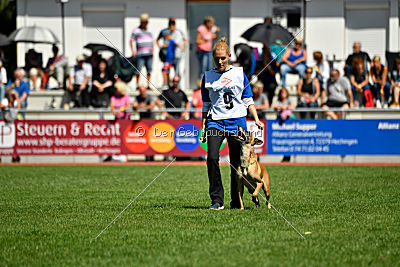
214, 141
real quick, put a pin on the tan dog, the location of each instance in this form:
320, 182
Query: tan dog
251, 173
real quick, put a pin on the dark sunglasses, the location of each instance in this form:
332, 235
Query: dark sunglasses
220, 58
308, 72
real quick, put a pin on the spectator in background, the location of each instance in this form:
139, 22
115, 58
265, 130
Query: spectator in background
395, 83
381, 85
357, 53
277, 50
162, 42
266, 70
3, 80
20, 86
35, 80
102, 88
174, 98
308, 91
260, 100
206, 33
94, 59
321, 68
359, 80
245, 58
33, 59
144, 101
339, 94
180, 40
80, 78
144, 48
9, 107
294, 60
56, 67
169, 59
197, 101
284, 108
120, 102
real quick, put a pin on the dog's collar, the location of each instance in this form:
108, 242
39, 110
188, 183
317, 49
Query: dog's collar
251, 163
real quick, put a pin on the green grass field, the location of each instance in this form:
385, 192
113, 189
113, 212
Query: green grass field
49, 215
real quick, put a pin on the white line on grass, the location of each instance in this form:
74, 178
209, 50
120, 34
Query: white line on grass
133, 200
288, 222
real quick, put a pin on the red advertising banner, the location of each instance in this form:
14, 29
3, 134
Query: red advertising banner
102, 137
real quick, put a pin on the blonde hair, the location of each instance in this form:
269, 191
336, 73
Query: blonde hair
208, 18
376, 58
221, 45
120, 87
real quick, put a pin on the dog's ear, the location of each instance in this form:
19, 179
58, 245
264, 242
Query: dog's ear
240, 130
258, 141
241, 134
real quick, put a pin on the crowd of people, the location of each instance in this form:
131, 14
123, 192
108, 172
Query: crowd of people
93, 81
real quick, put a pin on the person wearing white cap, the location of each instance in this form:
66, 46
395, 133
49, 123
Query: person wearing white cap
144, 48
80, 78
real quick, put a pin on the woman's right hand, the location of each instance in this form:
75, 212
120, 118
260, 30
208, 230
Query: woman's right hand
203, 135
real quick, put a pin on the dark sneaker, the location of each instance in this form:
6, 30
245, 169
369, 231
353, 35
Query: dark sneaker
216, 206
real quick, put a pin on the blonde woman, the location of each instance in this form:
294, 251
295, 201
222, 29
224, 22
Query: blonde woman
226, 95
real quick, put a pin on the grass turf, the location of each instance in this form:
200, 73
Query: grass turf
49, 215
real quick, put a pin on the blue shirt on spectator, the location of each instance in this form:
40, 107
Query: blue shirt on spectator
21, 89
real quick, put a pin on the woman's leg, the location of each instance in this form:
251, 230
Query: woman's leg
214, 141
302, 114
234, 159
313, 105
285, 68
301, 69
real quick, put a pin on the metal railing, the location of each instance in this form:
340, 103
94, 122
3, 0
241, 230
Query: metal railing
103, 111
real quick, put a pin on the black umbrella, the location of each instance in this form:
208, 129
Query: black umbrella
100, 47
4, 40
268, 33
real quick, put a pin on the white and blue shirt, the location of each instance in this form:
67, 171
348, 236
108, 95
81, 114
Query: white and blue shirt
226, 96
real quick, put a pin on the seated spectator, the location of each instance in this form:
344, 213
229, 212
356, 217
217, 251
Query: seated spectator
260, 100
197, 101
284, 108
321, 68
144, 101
19, 85
102, 86
395, 83
308, 91
357, 53
3, 80
381, 86
294, 60
169, 59
94, 59
56, 68
277, 49
80, 78
266, 69
339, 94
120, 102
359, 80
173, 98
35, 81
33, 59
9, 106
